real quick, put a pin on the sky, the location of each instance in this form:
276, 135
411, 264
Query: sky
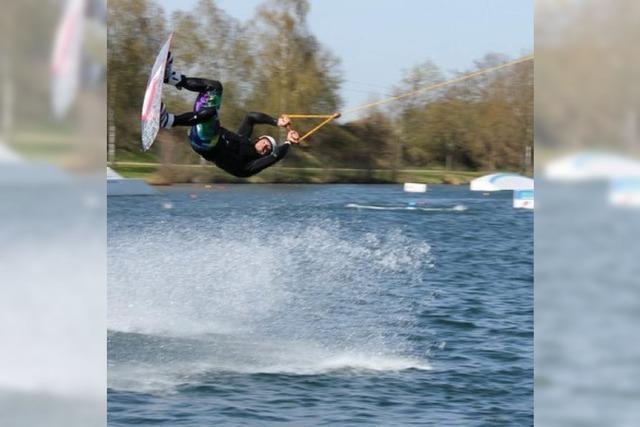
377, 40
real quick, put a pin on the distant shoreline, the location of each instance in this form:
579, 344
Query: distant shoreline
166, 174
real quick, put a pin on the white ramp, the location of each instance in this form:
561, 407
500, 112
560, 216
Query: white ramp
501, 181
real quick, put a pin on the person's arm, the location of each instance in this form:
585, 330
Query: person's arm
264, 162
273, 158
252, 119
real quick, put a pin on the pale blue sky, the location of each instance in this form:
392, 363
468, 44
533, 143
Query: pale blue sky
377, 39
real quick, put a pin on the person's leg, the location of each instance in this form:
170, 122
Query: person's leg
192, 118
196, 84
171, 77
193, 84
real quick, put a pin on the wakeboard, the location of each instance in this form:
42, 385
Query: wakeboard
150, 118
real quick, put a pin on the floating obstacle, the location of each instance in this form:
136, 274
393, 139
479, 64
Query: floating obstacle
625, 192
413, 187
501, 182
521, 186
523, 199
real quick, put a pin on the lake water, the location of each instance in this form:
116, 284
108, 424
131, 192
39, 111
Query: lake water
319, 305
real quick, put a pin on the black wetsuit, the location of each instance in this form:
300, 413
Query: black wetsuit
235, 153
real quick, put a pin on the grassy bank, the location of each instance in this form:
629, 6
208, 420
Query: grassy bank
155, 173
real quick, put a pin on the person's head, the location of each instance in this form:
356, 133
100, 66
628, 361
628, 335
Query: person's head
265, 145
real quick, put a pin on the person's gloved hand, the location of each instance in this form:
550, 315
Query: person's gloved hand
284, 121
293, 137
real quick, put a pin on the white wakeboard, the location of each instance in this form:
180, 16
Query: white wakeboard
150, 118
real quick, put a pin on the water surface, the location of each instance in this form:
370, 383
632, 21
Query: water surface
319, 305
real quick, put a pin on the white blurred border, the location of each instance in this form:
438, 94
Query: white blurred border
587, 229
53, 213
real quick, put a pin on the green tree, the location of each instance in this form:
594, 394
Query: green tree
136, 30
294, 72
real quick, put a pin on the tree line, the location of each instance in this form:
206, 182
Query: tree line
274, 63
